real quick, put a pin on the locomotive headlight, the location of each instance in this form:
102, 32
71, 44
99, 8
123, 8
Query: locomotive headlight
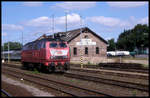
52, 57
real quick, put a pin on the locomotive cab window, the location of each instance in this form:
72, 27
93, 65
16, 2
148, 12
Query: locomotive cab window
39, 45
30, 46
53, 45
43, 44
62, 45
34, 46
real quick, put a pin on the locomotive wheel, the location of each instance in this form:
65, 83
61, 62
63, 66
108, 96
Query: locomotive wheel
25, 66
31, 67
67, 67
51, 69
40, 68
62, 69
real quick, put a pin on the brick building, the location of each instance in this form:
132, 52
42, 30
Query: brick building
93, 46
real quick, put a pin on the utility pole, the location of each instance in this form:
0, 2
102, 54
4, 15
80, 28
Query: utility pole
8, 52
3, 51
142, 48
22, 39
66, 21
53, 23
3, 60
81, 59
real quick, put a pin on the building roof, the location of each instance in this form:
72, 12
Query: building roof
70, 35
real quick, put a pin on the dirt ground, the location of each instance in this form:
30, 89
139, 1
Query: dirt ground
146, 62
16, 88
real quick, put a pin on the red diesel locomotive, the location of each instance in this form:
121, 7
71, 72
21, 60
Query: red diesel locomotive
49, 54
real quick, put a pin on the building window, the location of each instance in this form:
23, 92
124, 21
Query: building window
97, 50
75, 51
86, 50
86, 36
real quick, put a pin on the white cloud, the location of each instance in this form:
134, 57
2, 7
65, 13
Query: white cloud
32, 4
108, 38
39, 32
126, 4
116, 22
71, 18
74, 5
4, 34
108, 21
6, 27
40, 21
47, 21
143, 20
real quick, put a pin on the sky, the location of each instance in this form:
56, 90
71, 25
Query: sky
30, 20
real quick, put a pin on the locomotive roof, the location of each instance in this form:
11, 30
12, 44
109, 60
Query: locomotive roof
45, 39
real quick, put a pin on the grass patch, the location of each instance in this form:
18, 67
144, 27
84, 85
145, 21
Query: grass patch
128, 58
134, 92
35, 71
145, 65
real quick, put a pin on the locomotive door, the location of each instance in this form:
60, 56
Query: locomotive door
35, 52
38, 56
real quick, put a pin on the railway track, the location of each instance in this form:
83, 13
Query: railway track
72, 90
107, 80
146, 71
121, 83
5, 93
128, 70
116, 73
116, 69
113, 73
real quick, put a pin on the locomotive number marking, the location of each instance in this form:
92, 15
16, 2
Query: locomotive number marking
59, 52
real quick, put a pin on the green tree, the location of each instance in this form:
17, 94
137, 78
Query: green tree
12, 46
136, 37
112, 45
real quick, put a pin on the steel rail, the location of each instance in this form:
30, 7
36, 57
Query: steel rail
56, 82
6, 93
95, 71
111, 73
137, 86
118, 69
131, 85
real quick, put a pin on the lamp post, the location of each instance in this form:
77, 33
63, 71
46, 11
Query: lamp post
52, 23
22, 39
8, 53
66, 20
3, 60
81, 59
142, 48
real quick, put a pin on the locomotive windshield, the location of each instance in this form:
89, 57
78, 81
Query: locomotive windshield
53, 45
62, 45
